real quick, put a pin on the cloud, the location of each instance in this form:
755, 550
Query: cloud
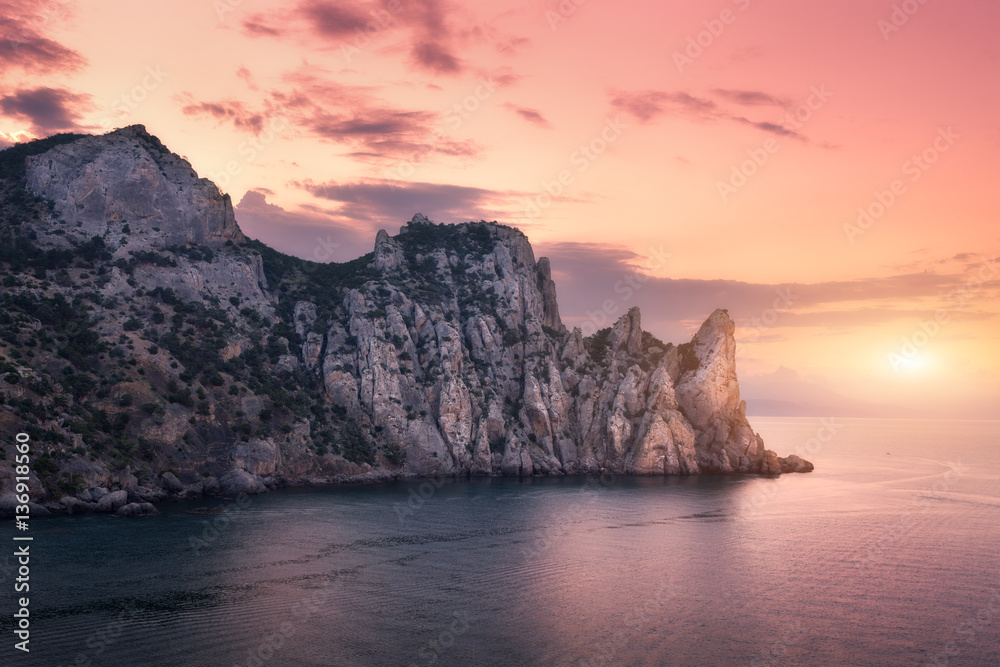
436, 57
387, 203
510, 45
749, 97
531, 115
336, 20
590, 277
773, 128
257, 27
433, 46
312, 234
386, 134
232, 111
49, 110
22, 44
646, 106
423, 25
247, 76
352, 116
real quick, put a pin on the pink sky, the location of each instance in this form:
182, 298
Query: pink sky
477, 110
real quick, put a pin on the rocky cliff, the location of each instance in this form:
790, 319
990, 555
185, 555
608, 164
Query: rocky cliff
149, 347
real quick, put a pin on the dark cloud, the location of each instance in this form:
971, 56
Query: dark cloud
334, 19
765, 126
432, 39
258, 27
384, 134
649, 104
749, 97
391, 203
372, 122
22, 44
436, 57
231, 111
646, 106
351, 116
531, 115
49, 110
425, 24
505, 76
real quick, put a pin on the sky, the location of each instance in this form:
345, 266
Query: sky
825, 171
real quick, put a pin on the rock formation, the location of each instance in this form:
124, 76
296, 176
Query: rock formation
196, 351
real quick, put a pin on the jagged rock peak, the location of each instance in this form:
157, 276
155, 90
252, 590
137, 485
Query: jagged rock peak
708, 389
626, 335
388, 252
547, 287
128, 180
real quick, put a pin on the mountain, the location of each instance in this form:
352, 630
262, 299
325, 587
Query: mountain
150, 349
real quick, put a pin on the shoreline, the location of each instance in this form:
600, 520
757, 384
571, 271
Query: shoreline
140, 500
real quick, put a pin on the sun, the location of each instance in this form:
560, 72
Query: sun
910, 364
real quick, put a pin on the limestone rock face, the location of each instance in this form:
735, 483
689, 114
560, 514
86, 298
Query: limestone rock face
710, 389
388, 253
497, 385
257, 457
442, 352
550, 307
129, 178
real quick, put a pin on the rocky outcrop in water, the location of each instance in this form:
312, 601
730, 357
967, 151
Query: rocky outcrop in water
172, 357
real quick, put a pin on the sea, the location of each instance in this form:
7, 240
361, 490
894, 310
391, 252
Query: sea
887, 554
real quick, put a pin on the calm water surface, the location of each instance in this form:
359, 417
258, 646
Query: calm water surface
886, 555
